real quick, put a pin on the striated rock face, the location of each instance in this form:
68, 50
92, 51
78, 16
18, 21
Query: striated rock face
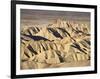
50, 46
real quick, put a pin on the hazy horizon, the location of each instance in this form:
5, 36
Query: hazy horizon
29, 16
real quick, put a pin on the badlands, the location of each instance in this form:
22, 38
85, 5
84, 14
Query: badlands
59, 44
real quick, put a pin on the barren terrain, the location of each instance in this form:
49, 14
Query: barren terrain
57, 44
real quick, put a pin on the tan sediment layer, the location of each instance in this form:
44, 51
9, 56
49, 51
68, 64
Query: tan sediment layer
62, 44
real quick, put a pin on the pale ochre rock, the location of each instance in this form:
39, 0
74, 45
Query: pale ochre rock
28, 52
41, 56
52, 61
66, 40
52, 57
29, 65
69, 58
24, 65
32, 58
66, 45
42, 65
45, 33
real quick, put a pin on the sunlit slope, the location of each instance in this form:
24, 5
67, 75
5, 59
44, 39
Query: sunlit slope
60, 44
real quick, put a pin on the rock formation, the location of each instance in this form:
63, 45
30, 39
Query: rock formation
60, 44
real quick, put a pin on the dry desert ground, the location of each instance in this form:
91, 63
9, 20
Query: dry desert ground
59, 44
